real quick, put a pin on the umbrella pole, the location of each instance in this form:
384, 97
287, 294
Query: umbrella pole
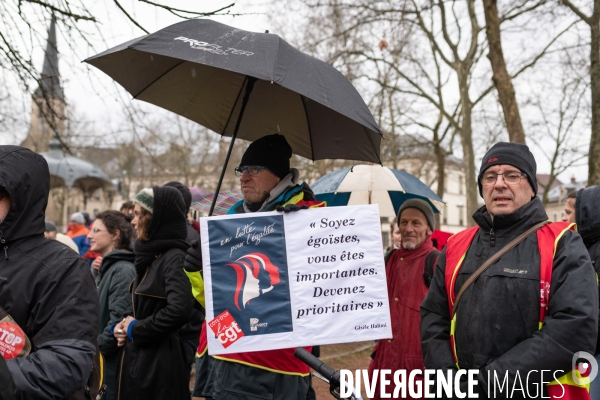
249, 87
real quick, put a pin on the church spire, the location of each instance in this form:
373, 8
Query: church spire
50, 79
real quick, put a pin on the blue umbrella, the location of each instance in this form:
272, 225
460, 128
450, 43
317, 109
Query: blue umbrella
373, 184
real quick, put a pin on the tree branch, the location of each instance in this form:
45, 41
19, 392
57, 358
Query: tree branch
172, 10
129, 16
578, 12
69, 14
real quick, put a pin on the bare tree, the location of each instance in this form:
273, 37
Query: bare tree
501, 77
428, 58
402, 77
23, 26
557, 133
593, 21
443, 16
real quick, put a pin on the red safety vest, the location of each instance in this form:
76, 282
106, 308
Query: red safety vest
548, 237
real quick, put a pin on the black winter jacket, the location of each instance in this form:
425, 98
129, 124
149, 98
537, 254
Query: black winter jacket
153, 364
497, 319
7, 387
190, 332
587, 216
44, 285
114, 277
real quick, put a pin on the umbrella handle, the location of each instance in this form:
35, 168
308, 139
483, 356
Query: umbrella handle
251, 81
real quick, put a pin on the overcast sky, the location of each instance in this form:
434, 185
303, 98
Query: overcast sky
95, 97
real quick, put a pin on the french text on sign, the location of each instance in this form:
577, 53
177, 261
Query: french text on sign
327, 285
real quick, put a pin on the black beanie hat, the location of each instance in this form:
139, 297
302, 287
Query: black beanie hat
271, 151
515, 154
184, 190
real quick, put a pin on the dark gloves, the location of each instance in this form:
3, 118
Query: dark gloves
193, 258
291, 207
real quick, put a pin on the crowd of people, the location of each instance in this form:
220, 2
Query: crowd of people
128, 285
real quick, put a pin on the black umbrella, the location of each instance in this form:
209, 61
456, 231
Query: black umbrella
205, 71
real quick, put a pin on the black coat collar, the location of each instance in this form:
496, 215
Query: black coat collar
515, 222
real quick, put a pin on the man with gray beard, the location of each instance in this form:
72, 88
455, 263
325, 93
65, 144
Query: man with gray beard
408, 270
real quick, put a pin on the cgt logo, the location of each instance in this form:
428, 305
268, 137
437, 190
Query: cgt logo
226, 329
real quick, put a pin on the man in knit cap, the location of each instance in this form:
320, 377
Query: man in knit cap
531, 310
408, 273
267, 183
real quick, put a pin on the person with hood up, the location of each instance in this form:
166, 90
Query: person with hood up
532, 310
153, 361
192, 234
111, 239
45, 286
587, 216
190, 332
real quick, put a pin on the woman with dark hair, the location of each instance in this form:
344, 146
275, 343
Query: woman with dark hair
111, 238
153, 362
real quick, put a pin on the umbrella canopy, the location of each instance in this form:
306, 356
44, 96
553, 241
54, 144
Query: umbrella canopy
373, 184
72, 172
203, 70
224, 202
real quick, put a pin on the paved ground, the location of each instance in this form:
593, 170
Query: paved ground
350, 356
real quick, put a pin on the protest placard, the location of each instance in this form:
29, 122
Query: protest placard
278, 280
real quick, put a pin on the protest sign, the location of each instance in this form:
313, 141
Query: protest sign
278, 280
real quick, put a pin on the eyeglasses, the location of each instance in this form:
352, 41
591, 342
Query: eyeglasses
510, 178
96, 230
252, 170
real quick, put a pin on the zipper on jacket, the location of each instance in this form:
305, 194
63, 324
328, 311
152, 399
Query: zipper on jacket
3, 241
492, 238
121, 372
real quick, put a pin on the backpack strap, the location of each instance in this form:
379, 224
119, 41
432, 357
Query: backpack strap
430, 262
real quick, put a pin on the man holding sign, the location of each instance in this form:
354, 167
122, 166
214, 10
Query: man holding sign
267, 184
